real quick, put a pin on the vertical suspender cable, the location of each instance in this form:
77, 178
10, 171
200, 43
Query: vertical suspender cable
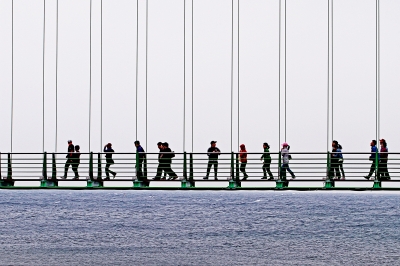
56, 138
12, 72
101, 74
285, 71
232, 82
137, 62
279, 78
332, 70
184, 73
377, 70
327, 105
192, 80
90, 70
147, 40
238, 125
44, 38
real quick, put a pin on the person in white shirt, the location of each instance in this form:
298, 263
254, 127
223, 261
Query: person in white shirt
285, 161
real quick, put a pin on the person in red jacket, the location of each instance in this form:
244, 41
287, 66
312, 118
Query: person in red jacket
243, 161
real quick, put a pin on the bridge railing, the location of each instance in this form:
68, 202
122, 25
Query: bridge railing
306, 166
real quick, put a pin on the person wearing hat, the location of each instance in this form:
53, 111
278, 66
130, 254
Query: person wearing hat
285, 161
243, 161
69, 157
213, 152
267, 162
109, 161
161, 165
167, 160
142, 157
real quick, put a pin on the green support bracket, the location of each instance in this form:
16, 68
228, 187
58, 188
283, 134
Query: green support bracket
377, 184
48, 182
232, 183
137, 184
91, 182
184, 183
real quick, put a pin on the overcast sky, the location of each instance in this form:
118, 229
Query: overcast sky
169, 98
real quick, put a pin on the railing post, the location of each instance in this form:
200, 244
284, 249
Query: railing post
0, 167
238, 183
137, 183
329, 182
91, 181
191, 180
99, 167
232, 183
44, 168
9, 167
53, 167
377, 181
280, 183
184, 174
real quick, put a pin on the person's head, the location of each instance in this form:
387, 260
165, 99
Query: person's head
137, 143
335, 144
165, 144
159, 145
69, 142
109, 145
373, 143
265, 145
340, 146
77, 147
213, 143
242, 147
285, 145
383, 142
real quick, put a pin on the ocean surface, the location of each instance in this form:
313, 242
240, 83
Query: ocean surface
71, 227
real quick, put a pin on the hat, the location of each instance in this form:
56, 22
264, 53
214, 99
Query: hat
69, 141
285, 144
213, 142
159, 143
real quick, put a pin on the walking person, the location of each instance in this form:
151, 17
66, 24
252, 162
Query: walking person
213, 152
340, 160
76, 161
267, 162
142, 157
285, 161
161, 166
69, 157
243, 161
109, 161
383, 169
334, 170
167, 161
374, 157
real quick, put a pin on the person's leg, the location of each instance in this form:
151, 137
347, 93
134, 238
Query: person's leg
341, 169
107, 170
386, 170
290, 172
215, 170
208, 169
75, 169
159, 172
243, 170
372, 169
66, 167
264, 168
268, 168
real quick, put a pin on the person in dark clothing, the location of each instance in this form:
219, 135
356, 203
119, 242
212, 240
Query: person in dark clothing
383, 171
76, 161
69, 157
167, 160
213, 152
243, 161
374, 157
335, 156
340, 160
267, 162
161, 165
109, 161
142, 157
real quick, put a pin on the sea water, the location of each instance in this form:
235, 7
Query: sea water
71, 227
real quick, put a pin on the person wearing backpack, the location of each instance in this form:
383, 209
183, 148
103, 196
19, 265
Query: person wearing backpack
285, 161
267, 162
167, 161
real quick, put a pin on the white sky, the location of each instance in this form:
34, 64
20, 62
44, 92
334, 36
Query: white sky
354, 75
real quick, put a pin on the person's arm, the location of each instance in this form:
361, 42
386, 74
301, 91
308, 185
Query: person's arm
218, 151
209, 152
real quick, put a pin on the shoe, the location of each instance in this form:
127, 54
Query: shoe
205, 178
75, 178
64, 177
293, 177
114, 174
271, 178
163, 178
215, 178
156, 179
107, 178
367, 177
174, 178
264, 177
343, 178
